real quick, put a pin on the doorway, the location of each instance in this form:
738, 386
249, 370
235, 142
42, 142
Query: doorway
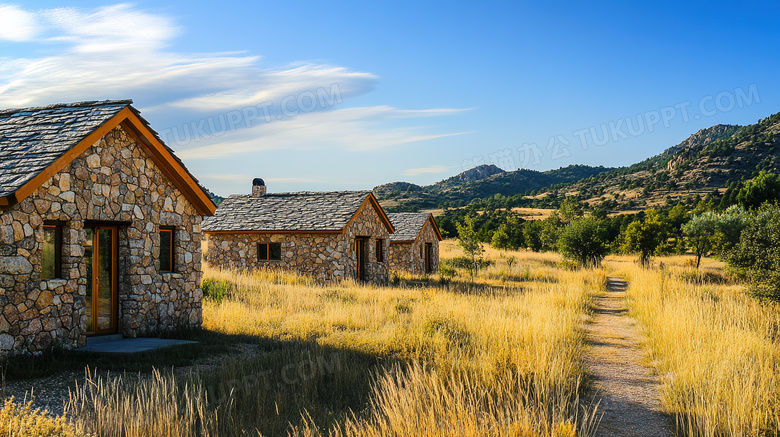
360, 258
428, 257
100, 255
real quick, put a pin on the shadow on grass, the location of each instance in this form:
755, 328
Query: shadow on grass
270, 389
58, 359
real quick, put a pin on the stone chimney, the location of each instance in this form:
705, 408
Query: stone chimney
258, 187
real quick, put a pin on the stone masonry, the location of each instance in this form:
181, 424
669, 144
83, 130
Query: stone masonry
322, 255
410, 256
112, 181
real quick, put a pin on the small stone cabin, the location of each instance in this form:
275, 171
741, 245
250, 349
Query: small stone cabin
327, 235
414, 247
99, 227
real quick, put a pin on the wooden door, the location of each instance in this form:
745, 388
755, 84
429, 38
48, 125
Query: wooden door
100, 254
360, 258
428, 259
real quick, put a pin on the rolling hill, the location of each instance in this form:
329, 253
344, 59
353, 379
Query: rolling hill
478, 182
710, 159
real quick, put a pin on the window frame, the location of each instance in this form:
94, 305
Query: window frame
380, 250
267, 245
172, 256
57, 226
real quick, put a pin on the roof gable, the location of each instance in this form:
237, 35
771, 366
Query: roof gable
409, 225
305, 211
32, 139
36, 143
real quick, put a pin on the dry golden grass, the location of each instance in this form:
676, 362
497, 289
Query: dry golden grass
717, 349
533, 213
403, 362
18, 420
514, 357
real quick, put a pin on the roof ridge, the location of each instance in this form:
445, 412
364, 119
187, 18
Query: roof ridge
82, 104
291, 193
410, 213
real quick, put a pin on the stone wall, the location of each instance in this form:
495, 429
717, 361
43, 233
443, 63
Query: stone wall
323, 256
410, 257
112, 181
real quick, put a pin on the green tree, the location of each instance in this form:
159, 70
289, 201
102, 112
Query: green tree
701, 232
472, 247
757, 254
732, 223
763, 188
551, 229
583, 241
500, 238
570, 209
532, 231
645, 236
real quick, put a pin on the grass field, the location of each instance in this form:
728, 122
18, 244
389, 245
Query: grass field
349, 359
432, 356
716, 348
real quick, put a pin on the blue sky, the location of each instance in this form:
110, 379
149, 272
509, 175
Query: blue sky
349, 95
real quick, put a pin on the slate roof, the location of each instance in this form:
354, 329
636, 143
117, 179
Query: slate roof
408, 225
31, 139
300, 211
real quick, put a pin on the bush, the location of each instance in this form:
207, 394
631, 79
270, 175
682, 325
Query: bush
757, 255
446, 271
18, 420
215, 290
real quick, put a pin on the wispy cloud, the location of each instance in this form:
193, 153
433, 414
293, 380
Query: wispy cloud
355, 129
17, 24
434, 169
120, 51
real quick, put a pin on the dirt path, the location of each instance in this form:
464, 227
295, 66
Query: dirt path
628, 392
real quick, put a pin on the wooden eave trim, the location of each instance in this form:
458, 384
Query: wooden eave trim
435, 227
276, 232
68, 157
371, 199
173, 170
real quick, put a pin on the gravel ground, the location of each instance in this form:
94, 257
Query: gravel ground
51, 393
627, 389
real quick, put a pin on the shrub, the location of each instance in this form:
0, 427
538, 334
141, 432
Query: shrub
18, 420
446, 271
757, 255
215, 290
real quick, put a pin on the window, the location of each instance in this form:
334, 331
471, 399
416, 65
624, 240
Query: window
269, 251
51, 252
166, 250
380, 250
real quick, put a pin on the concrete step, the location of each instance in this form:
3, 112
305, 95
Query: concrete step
101, 338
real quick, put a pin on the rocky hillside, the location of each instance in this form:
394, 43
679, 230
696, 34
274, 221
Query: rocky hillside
478, 182
710, 159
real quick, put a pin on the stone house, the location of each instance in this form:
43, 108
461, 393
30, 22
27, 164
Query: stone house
327, 235
99, 227
414, 247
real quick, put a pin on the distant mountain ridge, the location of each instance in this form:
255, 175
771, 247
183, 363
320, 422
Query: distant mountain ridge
710, 159
481, 181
